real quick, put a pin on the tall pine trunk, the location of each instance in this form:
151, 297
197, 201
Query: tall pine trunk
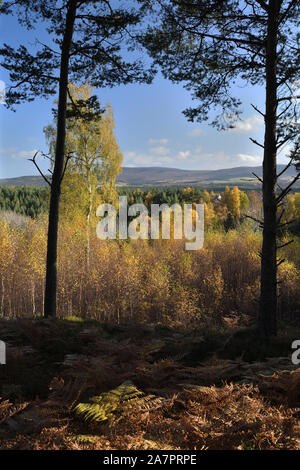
268, 293
51, 268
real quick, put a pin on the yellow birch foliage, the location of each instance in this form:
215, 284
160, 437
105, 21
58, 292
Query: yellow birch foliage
96, 162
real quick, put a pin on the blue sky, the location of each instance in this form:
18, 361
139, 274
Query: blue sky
150, 127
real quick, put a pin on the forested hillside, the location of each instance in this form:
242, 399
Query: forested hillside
29, 201
222, 209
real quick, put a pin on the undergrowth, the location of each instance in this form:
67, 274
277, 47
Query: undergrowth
72, 384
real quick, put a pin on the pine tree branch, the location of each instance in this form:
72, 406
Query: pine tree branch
284, 224
280, 262
285, 169
257, 143
284, 245
287, 189
38, 168
262, 4
259, 179
68, 157
257, 110
288, 98
260, 222
288, 9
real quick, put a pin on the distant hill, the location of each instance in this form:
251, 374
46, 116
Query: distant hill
172, 176
162, 176
23, 181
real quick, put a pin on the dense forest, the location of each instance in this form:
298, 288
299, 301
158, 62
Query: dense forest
224, 209
26, 201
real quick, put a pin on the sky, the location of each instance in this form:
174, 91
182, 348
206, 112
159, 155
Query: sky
150, 127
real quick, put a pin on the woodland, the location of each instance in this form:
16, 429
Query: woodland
140, 344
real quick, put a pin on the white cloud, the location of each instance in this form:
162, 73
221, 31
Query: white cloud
158, 141
24, 154
130, 154
144, 159
249, 159
167, 160
183, 154
196, 132
220, 160
217, 160
9, 150
14, 152
250, 124
160, 150
192, 159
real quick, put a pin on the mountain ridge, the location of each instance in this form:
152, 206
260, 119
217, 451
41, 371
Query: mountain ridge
165, 176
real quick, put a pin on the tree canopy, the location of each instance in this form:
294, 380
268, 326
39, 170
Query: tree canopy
102, 34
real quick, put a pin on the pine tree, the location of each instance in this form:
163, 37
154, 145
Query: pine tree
208, 45
88, 41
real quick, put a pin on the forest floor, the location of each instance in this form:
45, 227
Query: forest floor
156, 387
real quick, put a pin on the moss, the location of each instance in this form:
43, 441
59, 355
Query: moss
73, 318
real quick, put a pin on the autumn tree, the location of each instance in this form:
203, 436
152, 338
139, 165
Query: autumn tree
96, 158
292, 213
233, 201
87, 40
209, 45
244, 200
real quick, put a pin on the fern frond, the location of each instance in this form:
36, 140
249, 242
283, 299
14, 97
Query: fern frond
116, 403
